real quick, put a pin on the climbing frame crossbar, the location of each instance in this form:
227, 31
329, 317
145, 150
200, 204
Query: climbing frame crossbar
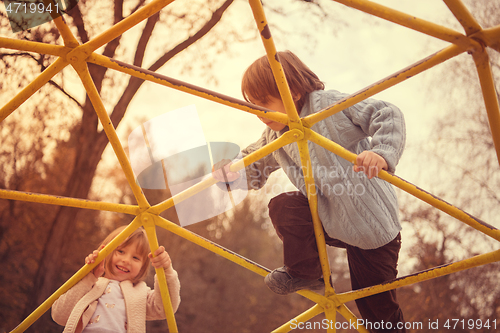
475, 41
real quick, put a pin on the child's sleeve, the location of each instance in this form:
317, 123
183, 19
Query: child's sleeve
385, 124
155, 309
258, 172
62, 307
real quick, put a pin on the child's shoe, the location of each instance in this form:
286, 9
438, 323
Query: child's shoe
282, 283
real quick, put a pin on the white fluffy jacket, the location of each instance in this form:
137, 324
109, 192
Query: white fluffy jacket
75, 308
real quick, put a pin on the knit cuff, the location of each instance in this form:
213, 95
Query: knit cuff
389, 154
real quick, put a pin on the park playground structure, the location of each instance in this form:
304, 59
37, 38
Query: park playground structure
475, 41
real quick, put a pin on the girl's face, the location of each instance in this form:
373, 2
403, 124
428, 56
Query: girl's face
274, 104
126, 263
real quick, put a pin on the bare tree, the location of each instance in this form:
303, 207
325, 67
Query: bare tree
70, 116
461, 166
88, 142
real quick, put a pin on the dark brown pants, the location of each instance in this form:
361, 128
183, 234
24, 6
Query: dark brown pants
292, 220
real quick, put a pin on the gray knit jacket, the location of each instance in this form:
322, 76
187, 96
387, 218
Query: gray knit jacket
354, 209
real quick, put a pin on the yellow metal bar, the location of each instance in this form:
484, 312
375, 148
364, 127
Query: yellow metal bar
351, 318
124, 25
331, 322
287, 138
331, 316
302, 318
69, 202
213, 247
283, 140
490, 37
410, 188
149, 226
170, 202
186, 87
383, 84
31, 88
229, 255
463, 16
410, 21
432, 273
315, 297
490, 96
83, 72
272, 56
313, 204
441, 205
66, 34
77, 277
29, 46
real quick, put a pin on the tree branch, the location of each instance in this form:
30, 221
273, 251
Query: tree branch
77, 16
135, 83
58, 87
98, 72
139, 5
110, 49
145, 37
17, 54
216, 17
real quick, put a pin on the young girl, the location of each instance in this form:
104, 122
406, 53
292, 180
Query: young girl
359, 211
119, 300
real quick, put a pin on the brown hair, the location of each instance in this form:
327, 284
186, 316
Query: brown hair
258, 81
138, 237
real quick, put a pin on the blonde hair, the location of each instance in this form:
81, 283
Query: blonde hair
259, 84
138, 237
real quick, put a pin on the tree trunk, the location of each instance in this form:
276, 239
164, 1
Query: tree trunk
90, 147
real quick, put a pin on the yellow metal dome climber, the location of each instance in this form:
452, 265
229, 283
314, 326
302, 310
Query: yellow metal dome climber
475, 41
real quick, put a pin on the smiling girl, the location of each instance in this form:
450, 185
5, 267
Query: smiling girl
114, 296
